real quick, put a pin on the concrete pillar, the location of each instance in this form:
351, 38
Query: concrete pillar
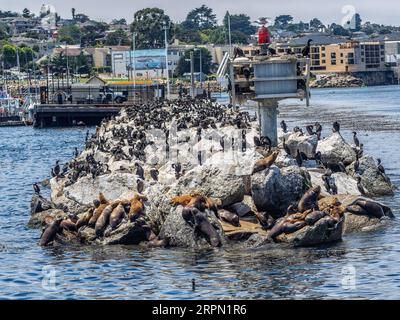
269, 120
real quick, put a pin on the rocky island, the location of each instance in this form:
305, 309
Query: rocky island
197, 174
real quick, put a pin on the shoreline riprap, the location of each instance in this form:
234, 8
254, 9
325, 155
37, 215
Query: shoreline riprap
207, 152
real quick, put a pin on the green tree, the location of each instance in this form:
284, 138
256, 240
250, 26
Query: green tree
282, 21
9, 53
316, 24
184, 66
338, 30
93, 33
26, 13
4, 31
119, 21
240, 23
148, 24
117, 38
72, 33
187, 35
200, 19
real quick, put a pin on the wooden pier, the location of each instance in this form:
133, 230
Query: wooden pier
65, 115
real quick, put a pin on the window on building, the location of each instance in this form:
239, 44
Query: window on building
323, 61
333, 55
351, 61
322, 48
323, 55
341, 61
341, 54
333, 62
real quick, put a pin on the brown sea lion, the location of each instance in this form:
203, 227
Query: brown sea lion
99, 208
230, 217
68, 225
103, 220
266, 221
310, 200
265, 163
314, 217
84, 220
117, 216
184, 200
136, 207
50, 232
103, 199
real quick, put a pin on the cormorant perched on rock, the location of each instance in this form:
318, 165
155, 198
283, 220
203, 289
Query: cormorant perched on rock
284, 126
299, 159
310, 130
356, 141
139, 170
36, 188
336, 126
318, 130
306, 50
286, 148
76, 152
318, 159
380, 166
154, 174
56, 171
360, 186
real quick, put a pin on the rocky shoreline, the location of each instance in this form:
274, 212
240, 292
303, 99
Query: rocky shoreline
336, 81
196, 174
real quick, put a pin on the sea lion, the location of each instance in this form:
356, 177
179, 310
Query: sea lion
289, 228
265, 163
266, 221
50, 232
68, 225
99, 208
230, 217
372, 208
355, 209
102, 199
203, 225
183, 200
277, 229
137, 207
310, 200
84, 220
104, 219
117, 216
314, 217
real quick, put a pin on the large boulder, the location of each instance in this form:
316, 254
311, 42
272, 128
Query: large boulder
346, 184
40, 204
335, 149
180, 234
212, 181
114, 186
129, 233
38, 219
304, 143
274, 189
322, 232
356, 222
373, 181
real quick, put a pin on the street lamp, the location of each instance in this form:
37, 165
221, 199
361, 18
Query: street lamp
201, 66
166, 26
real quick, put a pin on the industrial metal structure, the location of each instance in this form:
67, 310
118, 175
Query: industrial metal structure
267, 79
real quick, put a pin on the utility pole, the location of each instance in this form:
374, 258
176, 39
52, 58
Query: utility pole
134, 64
230, 35
166, 27
66, 55
192, 73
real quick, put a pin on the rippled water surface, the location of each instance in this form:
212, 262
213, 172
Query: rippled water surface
27, 270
